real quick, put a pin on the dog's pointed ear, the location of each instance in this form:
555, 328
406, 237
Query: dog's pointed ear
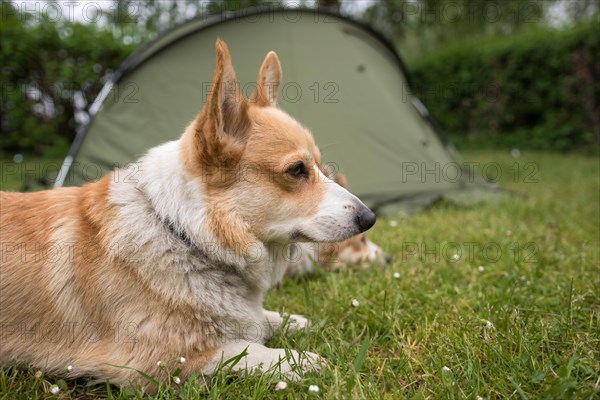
218, 134
226, 106
267, 83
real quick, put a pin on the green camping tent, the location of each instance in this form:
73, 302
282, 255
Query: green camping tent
341, 79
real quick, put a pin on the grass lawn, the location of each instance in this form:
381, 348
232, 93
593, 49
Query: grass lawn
517, 315
30, 175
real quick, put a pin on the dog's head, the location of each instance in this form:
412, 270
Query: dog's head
261, 170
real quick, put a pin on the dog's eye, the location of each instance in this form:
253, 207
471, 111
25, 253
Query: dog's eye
297, 170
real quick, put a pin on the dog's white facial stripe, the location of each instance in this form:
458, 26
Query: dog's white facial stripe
335, 219
320, 175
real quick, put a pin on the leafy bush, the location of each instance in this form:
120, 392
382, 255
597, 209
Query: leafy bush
536, 89
52, 70
50, 74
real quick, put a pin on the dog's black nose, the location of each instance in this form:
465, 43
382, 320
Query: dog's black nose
365, 219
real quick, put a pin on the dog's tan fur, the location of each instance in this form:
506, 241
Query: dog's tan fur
175, 262
76, 305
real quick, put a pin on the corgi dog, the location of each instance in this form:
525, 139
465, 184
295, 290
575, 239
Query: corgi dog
171, 256
356, 251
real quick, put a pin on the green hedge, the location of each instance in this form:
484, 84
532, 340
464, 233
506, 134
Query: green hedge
49, 73
538, 89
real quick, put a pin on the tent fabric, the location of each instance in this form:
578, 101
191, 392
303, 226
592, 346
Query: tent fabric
341, 79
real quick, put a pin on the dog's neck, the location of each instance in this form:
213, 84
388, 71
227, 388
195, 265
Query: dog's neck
179, 207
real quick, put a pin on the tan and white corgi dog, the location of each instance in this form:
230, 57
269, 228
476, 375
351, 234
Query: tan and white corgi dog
356, 251
171, 258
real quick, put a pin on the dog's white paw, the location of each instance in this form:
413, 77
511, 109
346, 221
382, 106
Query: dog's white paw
298, 363
311, 361
297, 322
257, 358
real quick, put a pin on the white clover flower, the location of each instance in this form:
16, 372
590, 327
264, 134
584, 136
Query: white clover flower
445, 369
181, 360
354, 303
478, 398
313, 388
176, 380
70, 368
161, 364
396, 275
481, 268
455, 257
54, 389
489, 325
281, 385
393, 223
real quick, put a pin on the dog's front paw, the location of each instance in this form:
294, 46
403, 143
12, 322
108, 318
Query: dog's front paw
311, 361
298, 363
297, 322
